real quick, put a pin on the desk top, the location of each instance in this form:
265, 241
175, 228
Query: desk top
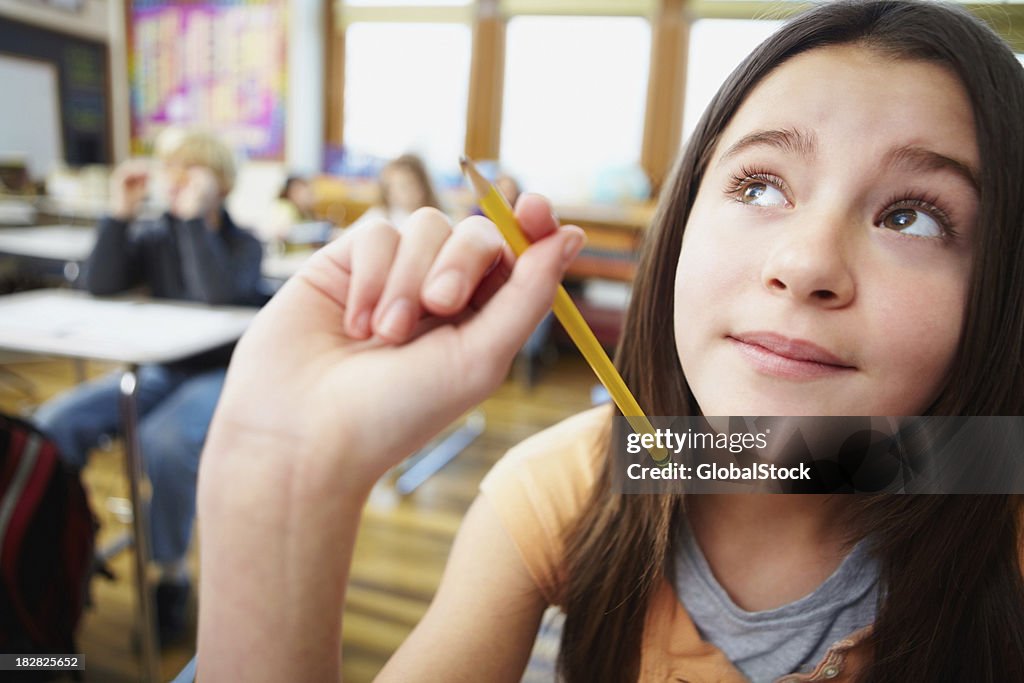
16, 212
56, 242
71, 243
283, 266
63, 322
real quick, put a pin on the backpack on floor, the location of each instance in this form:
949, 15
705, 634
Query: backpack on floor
47, 535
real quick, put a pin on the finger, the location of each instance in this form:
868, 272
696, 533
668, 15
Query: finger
536, 217
329, 272
135, 176
495, 278
501, 327
136, 184
398, 310
473, 250
373, 251
134, 168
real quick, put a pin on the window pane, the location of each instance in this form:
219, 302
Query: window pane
405, 90
406, 3
575, 91
717, 46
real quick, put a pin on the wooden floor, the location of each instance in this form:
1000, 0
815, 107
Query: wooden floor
402, 545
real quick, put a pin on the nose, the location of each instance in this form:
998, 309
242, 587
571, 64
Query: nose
810, 263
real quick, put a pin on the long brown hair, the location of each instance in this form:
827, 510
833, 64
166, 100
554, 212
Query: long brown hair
414, 165
952, 605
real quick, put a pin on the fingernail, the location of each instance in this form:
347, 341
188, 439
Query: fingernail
445, 289
397, 320
572, 246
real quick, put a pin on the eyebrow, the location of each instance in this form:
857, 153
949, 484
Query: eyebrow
805, 144
921, 159
791, 140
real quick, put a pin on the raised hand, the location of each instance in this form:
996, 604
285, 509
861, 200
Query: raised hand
384, 338
128, 185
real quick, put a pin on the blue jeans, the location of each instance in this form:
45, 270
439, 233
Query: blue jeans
174, 409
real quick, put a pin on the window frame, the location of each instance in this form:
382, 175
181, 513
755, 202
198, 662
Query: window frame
670, 28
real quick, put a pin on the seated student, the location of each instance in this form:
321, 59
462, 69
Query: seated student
842, 236
509, 187
193, 252
404, 187
294, 205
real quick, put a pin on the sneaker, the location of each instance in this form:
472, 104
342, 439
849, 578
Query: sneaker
172, 610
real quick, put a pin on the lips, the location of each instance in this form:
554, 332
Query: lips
780, 356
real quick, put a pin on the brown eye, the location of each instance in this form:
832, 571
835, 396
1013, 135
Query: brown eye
760, 193
912, 222
753, 192
898, 220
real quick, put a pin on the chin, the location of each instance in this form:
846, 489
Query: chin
772, 401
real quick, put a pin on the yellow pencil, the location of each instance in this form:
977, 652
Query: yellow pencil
497, 208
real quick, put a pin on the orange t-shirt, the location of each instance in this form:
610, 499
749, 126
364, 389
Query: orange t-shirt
540, 487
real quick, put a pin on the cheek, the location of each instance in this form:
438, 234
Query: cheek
915, 333
713, 269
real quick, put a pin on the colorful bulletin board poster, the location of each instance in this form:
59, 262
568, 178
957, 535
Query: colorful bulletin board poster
220, 64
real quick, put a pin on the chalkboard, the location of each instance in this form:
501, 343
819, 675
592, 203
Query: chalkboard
32, 128
83, 86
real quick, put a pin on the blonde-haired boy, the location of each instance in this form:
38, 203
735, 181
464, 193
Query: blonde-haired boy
192, 252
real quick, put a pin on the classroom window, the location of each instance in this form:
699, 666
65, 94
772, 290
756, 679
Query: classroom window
405, 90
407, 3
574, 98
717, 46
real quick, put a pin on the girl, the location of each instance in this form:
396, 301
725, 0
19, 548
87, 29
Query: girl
840, 238
404, 187
295, 204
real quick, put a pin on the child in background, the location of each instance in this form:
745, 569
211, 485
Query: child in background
509, 189
193, 252
842, 236
404, 187
294, 205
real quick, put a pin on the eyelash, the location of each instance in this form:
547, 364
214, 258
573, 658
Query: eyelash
747, 174
926, 202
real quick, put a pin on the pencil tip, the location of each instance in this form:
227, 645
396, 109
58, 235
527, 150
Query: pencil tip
480, 186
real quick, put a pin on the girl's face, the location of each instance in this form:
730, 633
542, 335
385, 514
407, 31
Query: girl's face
825, 263
404, 189
301, 194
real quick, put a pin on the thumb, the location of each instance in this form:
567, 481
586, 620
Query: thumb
503, 325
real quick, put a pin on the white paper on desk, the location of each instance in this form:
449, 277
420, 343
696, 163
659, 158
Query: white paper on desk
123, 329
61, 242
16, 212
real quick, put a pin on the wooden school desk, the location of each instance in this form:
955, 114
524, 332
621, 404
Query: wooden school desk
134, 332
62, 244
71, 245
55, 242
